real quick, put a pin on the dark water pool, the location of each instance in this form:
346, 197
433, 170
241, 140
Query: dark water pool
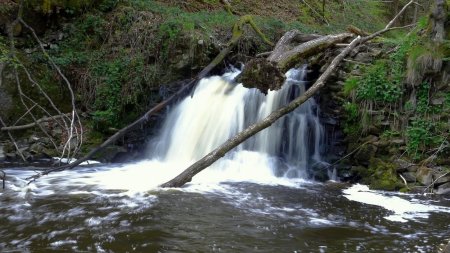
65, 216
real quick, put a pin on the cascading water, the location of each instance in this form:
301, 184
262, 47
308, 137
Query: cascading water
221, 108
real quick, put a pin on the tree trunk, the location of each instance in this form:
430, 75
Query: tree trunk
438, 20
186, 176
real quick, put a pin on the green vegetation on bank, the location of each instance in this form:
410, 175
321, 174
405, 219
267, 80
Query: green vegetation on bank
402, 101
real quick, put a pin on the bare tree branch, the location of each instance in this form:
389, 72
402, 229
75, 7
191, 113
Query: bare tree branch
30, 125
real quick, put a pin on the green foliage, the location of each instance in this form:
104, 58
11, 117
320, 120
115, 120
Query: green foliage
69, 6
120, 84
350, 85
423, 98
4, 50
351, 123
421, 135
367, 15
379, 84
352, 111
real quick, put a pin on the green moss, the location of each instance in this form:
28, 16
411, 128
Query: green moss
380, 83
383, 176
350, 85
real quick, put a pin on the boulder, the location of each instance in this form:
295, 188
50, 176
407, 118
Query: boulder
424, 175
365, 153
441, 178
383, 176
410, 177
446, 248
402, 165
413, 168
443, 189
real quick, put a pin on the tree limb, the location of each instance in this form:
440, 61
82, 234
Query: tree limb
13, 141
30, 125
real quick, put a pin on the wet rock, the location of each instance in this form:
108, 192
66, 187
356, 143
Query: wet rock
444, 189
413, 168
418, 189
2, 154
370, 138
381, 143
57, 132
374, 130
402, 165
10, 156
397, 142
364, 57
438, 101
441, 178
447, 248
109, 153
365, 153
6, 100
36, 148
424, 175
410, 177
383, 176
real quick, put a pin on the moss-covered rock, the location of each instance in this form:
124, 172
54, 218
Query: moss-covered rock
383, 175
365, 154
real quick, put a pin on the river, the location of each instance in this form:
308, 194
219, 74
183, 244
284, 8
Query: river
255, 199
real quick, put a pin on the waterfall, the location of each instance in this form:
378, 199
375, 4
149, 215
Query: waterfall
221, 108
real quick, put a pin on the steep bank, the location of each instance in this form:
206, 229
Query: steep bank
395, 111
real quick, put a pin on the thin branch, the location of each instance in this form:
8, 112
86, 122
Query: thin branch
356, 62
404, 180
30, 125
13, 141
75, 117
25, 114
315, 12
432, 184
389, 25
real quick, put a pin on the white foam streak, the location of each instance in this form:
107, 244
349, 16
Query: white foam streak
403, 210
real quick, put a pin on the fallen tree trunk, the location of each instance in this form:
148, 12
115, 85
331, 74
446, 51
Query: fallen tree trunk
186, 176
268, 74
238, 31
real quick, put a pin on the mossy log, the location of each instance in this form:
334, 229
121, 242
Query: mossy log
268, 74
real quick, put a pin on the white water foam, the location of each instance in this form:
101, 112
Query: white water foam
403, 210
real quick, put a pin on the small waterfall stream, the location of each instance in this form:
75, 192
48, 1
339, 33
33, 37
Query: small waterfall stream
221, 108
